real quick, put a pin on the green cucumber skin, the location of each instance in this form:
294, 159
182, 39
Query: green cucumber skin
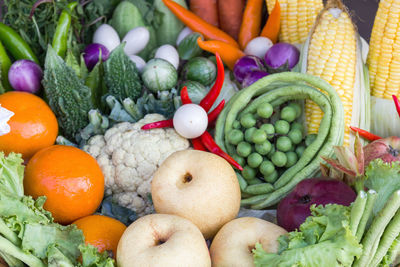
263, 86
126, 16
169, 25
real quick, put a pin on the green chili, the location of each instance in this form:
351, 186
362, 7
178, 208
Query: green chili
60, 38
5, 64
14, 43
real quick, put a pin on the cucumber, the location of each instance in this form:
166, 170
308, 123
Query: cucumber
196, 90
168, 26
159, 75
188, 47
126, 16
200, 69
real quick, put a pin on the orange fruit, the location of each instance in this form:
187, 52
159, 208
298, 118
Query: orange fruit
103, 232
33, 126
70, 178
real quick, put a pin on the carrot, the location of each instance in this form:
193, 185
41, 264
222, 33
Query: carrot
230, 14
196, 24
206, 9
229, 54
272, 27
251, 22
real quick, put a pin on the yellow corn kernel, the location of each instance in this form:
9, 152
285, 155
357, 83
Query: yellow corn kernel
384, 51
297, 18
332, 56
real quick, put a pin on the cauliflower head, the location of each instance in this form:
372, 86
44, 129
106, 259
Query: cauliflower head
129, 156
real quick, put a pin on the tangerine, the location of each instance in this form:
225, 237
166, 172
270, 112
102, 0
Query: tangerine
70, 178
100, 231
33, 125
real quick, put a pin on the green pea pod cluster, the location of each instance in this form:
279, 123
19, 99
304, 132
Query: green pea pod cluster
277, 89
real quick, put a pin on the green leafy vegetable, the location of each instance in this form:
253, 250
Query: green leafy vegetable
67, 96
121, 75
324, 239
384, 178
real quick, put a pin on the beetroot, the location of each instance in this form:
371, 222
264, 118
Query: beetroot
295, 208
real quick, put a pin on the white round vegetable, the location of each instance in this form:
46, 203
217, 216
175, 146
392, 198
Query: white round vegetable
190, 121
258, 47
185, 32
107, 36
140, 63
168, 53
136, 40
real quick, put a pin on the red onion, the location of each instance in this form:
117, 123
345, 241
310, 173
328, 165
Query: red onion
295, 208
282, 55
25, 75
91, 54
244, 65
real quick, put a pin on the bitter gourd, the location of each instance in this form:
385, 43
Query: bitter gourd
67, 95
121, 76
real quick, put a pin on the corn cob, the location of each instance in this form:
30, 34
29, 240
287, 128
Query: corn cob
384, 56
297, 18
333, 53
384, 68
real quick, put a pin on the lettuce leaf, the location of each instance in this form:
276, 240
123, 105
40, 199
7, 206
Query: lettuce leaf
384, 178
12, 173
92, 258
324, 239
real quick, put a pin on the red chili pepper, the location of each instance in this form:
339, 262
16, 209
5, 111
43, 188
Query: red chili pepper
397, 104
198, 145
213, 115
185, 96
367, 135
158, 124
210, 144
208, 101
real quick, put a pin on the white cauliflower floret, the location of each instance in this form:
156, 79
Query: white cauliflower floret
129, 156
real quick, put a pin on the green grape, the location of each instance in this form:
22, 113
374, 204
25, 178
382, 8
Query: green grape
297, 125
269, 130
297, 108
265, 110
248, 134
243, 149
291, 159
283, 143
236, 124
235, 136
282, 127
295, 136
279, 159
248, 173
288, 114
254, 160
271, 178
248, 120
267, 167
263, 148
259, 136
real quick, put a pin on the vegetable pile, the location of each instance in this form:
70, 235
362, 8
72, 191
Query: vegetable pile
262, 105
268, 93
